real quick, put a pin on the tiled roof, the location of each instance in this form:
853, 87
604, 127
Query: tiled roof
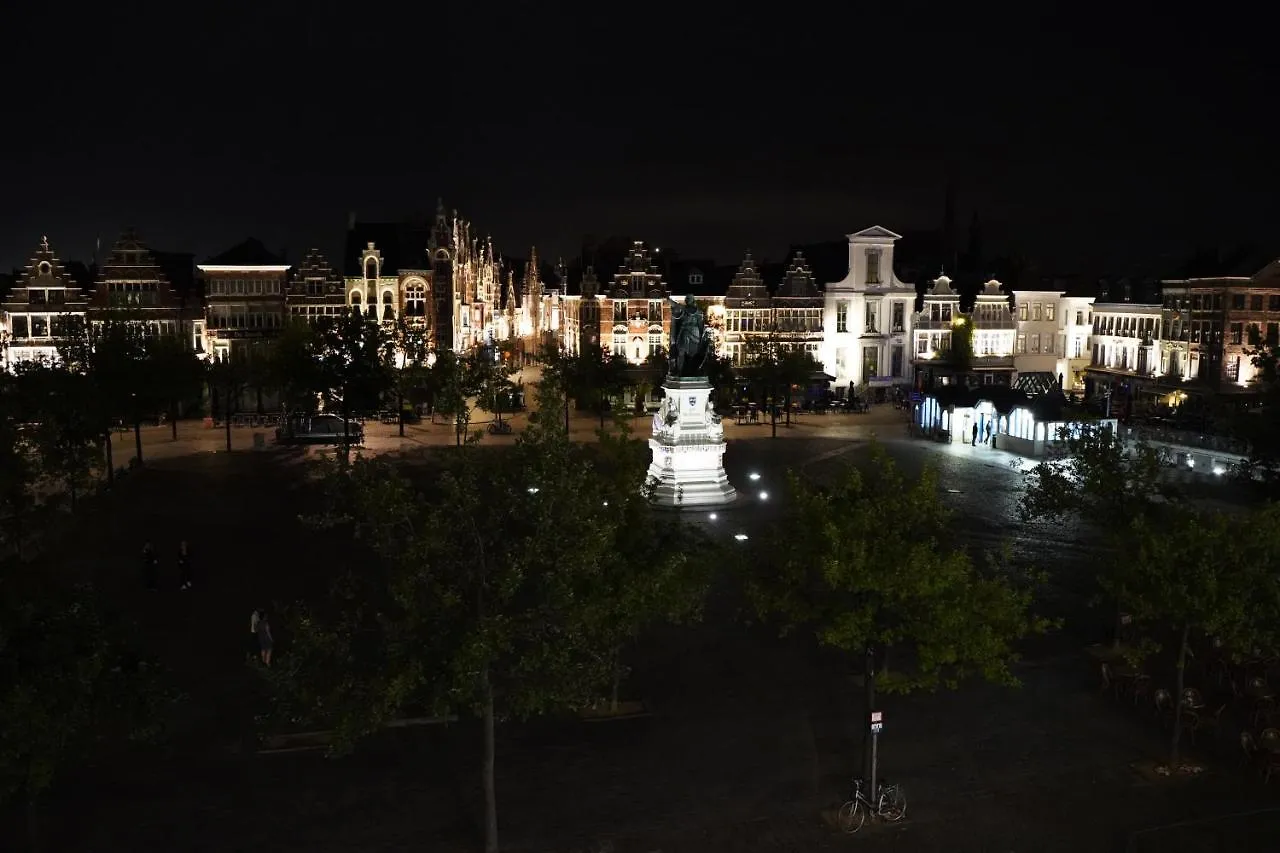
250, 253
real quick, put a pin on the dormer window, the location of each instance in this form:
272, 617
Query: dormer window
873, 266
45, 268
695, 278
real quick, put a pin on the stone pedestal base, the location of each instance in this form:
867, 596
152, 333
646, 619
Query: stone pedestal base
687, 470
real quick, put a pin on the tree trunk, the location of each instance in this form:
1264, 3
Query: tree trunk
1119, 627
788, 405
173, 418
34, 843
137, 436
111, 462
773, 413
566, 412
617, 681
602, 400
1174, 758
400, 411
226, 419
346, 430
869, 688
487, 770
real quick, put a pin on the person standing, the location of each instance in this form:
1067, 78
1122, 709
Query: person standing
184, 566
265, 641
974, 440
150, 567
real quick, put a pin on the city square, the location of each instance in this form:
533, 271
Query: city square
748, 739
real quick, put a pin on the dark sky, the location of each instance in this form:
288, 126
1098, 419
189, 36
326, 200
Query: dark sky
1080, 140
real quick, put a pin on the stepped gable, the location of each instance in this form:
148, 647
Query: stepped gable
747, 289
798, 281
132, 265
315, 270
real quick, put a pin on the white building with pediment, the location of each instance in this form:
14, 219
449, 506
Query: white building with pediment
867, 316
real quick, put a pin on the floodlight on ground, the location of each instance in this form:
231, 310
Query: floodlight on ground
712, 516
741, 537
754, 476
764, 496
533, 490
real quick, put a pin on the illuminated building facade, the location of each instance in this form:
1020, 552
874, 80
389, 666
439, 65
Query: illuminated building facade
38, 307
315, 290
133, 287
990, 326
245, 290
1053, 331
867, 316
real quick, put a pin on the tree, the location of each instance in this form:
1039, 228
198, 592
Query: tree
455, 380
109, 352
961, 352
353, 369
659, 571
174, 375
408, 348
227, 377
69, 682
19, 467
1200, 571
492, 380
491, 595
1101, 481
1260, 426
557, 373
861, 565
723, 378
293, 366
776, 369
598, 377
70, 426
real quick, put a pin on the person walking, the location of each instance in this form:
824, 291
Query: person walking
974, 440
150, 567
265, 641
184, 566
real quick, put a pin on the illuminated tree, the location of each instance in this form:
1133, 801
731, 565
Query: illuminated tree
353, 369
501, 593
1100, 480
861, 565
68, 682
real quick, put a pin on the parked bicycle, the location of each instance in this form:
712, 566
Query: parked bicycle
890, 805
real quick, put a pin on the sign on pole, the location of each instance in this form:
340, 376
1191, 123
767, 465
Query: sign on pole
877, 721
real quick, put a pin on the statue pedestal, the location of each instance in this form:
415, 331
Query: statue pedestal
687, 470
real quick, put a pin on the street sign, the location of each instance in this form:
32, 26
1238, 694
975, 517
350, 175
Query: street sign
877, 721
876, 728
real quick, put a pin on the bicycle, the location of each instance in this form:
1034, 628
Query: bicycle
890, 805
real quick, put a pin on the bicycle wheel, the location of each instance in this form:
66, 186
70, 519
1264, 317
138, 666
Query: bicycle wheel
893, 804
852, 815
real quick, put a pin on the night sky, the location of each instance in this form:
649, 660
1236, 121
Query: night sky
1081, 142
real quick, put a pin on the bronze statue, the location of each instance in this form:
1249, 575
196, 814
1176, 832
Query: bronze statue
690, 340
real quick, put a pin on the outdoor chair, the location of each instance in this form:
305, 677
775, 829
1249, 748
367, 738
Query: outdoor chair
1141, 688
1206, 721
1263, 709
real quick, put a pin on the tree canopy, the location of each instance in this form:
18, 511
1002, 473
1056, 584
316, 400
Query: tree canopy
507, 591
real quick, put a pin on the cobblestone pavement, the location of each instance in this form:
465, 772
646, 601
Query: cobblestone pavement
750, 739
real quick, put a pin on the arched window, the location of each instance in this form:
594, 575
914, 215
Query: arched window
371, 269
388, 307
415, 300
355, 300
